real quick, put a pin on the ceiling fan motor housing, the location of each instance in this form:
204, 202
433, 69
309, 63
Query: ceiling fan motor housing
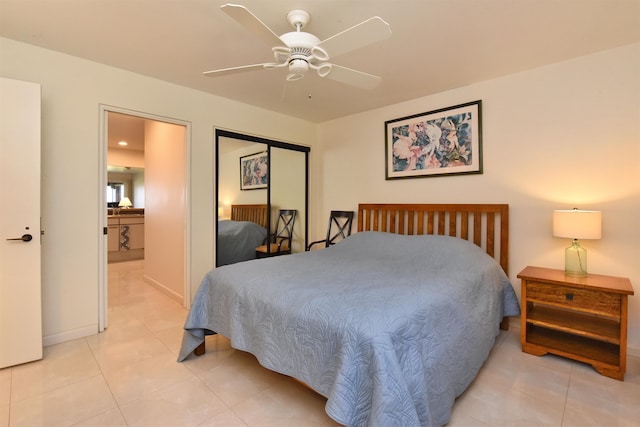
300, 54
299, 39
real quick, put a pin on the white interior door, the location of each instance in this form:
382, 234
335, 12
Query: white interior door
20, 270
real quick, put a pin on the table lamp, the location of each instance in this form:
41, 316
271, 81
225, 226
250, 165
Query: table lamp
125, 203
576, 224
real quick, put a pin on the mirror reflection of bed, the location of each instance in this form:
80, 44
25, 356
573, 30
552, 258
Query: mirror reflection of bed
241, 234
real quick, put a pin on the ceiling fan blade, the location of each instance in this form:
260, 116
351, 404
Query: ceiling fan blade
244, 17
365, 33
353, 77
234, 70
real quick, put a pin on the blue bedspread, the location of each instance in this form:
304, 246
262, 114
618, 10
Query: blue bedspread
390, 328
238, 240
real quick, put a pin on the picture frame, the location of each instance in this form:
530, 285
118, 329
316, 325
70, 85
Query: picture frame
254, 171
442, 142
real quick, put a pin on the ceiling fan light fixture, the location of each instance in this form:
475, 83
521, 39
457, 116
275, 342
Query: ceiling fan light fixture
319, 53
281, 54
324, 69
298, 66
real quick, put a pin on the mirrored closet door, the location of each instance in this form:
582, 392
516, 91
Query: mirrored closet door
253, 171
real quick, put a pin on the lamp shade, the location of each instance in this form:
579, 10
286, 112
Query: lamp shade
125, 203
577, 224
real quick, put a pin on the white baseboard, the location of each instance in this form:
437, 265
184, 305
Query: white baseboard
70, 335
162, 288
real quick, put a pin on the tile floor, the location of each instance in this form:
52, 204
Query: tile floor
128, 376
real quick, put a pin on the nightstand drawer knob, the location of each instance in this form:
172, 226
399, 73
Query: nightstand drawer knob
569, 297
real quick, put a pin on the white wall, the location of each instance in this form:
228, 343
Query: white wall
72, 90
559, 136
165, 225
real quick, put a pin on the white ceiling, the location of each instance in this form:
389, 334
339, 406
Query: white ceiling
435, 45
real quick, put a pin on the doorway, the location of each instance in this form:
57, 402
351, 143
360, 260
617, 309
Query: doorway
152, 210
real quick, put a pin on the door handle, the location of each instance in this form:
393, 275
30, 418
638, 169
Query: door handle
24, 238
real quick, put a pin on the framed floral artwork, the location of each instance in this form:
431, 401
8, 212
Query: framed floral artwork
254, 171
437, 143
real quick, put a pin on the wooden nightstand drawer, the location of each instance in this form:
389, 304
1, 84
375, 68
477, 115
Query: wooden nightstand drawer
587, 300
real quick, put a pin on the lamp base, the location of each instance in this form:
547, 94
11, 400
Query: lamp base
575, 260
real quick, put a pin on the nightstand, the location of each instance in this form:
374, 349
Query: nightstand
581, 318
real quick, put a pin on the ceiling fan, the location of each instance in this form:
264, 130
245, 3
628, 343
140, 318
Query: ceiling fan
300, 51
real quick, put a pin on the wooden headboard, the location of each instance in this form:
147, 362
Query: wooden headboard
253, 213
486, 225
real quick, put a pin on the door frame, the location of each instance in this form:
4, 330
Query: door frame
102, 203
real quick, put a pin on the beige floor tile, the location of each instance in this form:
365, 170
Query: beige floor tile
125, 314
286, 403
121, 330
238, 378
65, 349
226, 419
462, 418
4, 414
171, 337
5, 386
111, 418
494, 406
542, 381
135, 380
595, 400
64, 406
165, 315
62, 364
218, 349
633, 371
117, 356
514, 388
331, 423
185, 403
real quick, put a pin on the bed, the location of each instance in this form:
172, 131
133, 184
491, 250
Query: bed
390, 325
242, 234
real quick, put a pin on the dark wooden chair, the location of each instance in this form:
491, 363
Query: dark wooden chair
279, 243
339, 228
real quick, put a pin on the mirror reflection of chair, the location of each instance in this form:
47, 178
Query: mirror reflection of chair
279, 243
339, 228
